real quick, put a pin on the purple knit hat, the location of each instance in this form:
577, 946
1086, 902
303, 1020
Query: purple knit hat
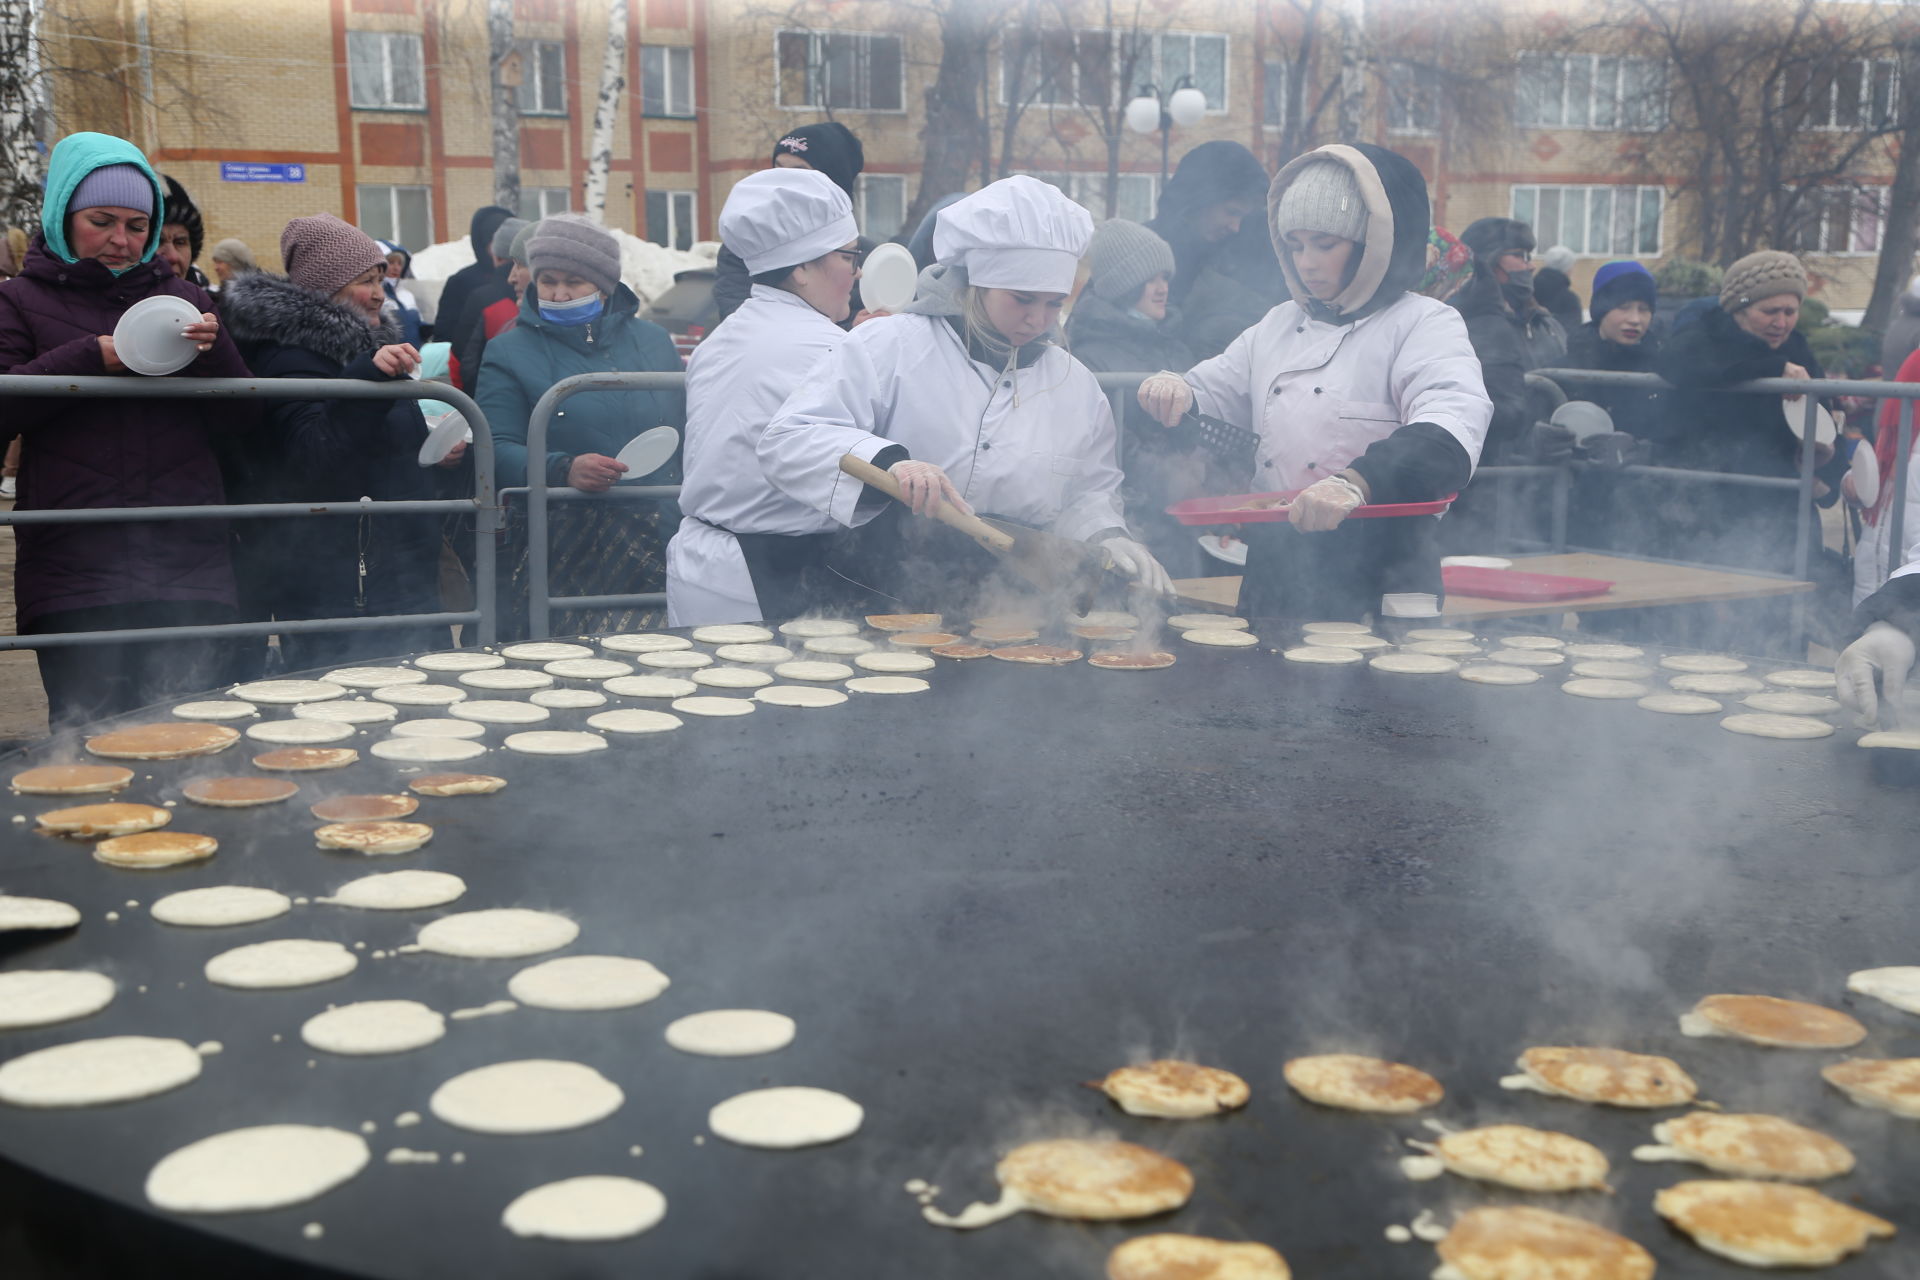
324, 255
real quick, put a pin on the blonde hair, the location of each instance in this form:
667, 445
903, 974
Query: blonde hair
980, 330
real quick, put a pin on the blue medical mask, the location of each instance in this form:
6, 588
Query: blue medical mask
578, 312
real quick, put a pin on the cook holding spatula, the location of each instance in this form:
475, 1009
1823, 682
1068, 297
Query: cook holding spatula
1358, 390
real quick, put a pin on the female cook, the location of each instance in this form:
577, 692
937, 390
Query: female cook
969, 397
1359, 391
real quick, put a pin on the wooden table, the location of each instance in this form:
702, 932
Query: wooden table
1637, 584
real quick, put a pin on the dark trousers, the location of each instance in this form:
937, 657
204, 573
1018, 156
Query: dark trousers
92, 682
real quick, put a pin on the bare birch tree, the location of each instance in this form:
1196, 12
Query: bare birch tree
606, 111
22, 169
503, 64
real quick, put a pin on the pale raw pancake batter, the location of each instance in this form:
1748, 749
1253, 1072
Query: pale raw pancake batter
399, 891
799, 695
1605, 689
999, 632
1614, 671
287, 692
1357, 1083
169, 741
306, 759
731, 1033
1748, 1146
529, 1095
1769, 1020
151, 850
675, 660
633, 720
1179, 1257
40, 997
567, 699
1526, 657
1791, 702
717, 707
459, 660
888, 684
1336, 629
1719, 686
1439, 635
1758, 725
1604, 652
593, 1207
36, 913
1175, 1090
588, 668
786, 1117
220, 905
588, 983
732, 678
1514, 1155
439, 728
732, 633
499, 933
92, 1073
72, 779
1444, 648
1680, 704
1480, 673
427, 750
374, 1027
505, 680
1332, 639
285, 962
1895, 739
1608, 1077
545, 651
1767, 1224
373, 677
347, 711
651, 687
1105, 618
104, 819
1221, 638
1414, 664
1800, 679
826, 672
839, 646
898, 664
1898, 985
645, 642
216, 709
264, 1167
499, 711
300, 733
420, 695
819, 628
1323, 655
1890, 1084
1215, 621
1532, 642
1703, 664
456, 784
1516, 1242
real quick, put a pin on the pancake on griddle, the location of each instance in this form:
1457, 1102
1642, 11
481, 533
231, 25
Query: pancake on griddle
1610, 1077
1131, 661
170, 740
1005, 633
104, 819
363, 808
1174, 1090
1094, 631
1768, 1224
1094, 1179
1515, 1242
1515, 1155
922, 639
963, 649
374, 837
1170, 1256
1891, 1084
903, 621
1046, 655
305, 759
1897, 985
150, 849
1769, 1020
72, 779
238, 793
1749, 1146
1357, 1083
457, 784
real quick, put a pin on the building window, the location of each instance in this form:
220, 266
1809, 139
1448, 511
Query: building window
544, 202
670, 218
1134, 200
851, 71
403, 215
666, 80
1595, 222
543, 78
1273, 76
880, 204
1858, 93
1843, 222
1053, 67
1413, 98
1592, 91
384, 70
1202, 58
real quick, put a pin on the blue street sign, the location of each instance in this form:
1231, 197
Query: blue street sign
237, 171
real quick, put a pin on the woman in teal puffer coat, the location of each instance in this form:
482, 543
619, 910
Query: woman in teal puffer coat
578, 318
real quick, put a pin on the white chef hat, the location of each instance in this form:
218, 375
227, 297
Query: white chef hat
783, 217
1017, 233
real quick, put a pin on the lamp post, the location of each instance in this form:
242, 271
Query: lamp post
1185, 105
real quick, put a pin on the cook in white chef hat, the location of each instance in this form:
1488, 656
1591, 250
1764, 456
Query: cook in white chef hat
1018, 233
779, 218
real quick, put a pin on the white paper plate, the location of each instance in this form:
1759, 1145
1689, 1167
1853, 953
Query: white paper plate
440, 441
1584, 418
1477, 562
148, 338
1224, 546
887, 278
1796, 415
1865, 471
647, 452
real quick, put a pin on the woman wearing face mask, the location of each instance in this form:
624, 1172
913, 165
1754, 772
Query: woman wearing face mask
967, 397
1359, 391
323, 320
576, 317
94, 257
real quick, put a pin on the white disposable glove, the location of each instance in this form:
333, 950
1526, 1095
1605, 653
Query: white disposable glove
1167, 397
1885, 650
926, 486
1134, 560
1323, 505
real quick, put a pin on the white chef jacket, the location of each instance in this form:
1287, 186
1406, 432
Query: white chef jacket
1318, 394
736, 381
1872, 557
1036, 445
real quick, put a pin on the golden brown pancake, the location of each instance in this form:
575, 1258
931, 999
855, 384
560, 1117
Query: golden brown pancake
1175, 1090
72, 779
903, 621
1768, 1224
1754, 1146
152, 849
1131, 661
1357, 1083
363, 808
306, 759
1768, 1020
1521, 1243
962, 650
1005, 633
1087, 1178
1892, 1084
170, 740
1170, 1256
238, 793
1530, 1159
1611, 1077
1046, 655
922, 639
105, 819
457, 784
374, 837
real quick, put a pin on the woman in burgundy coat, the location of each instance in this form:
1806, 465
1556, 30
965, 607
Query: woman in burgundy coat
94, 258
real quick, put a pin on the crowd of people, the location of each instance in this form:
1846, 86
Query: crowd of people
1309, 332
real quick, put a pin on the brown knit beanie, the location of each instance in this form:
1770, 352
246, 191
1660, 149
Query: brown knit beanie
1765, 274
569, 242
324, 255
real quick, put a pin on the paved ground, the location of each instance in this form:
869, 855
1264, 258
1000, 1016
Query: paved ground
23, 707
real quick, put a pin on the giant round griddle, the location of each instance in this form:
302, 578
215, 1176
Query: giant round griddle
976, 898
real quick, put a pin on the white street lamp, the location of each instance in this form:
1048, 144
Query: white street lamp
1185, 106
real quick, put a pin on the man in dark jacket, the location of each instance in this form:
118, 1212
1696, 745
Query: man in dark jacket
470, 341
830, 147
450, 318
1226, 275
1512, 334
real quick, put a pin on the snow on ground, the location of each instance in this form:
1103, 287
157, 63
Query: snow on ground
645, 267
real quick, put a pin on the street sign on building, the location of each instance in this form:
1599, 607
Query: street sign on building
239, 171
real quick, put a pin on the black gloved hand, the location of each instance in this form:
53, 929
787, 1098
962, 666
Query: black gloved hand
1545, 444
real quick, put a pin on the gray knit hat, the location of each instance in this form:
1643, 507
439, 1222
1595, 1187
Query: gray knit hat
324, 255
1122, 257
113, 186
518, 249
1765, 274
503, 235
235, 254
569, 242
1325, 197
